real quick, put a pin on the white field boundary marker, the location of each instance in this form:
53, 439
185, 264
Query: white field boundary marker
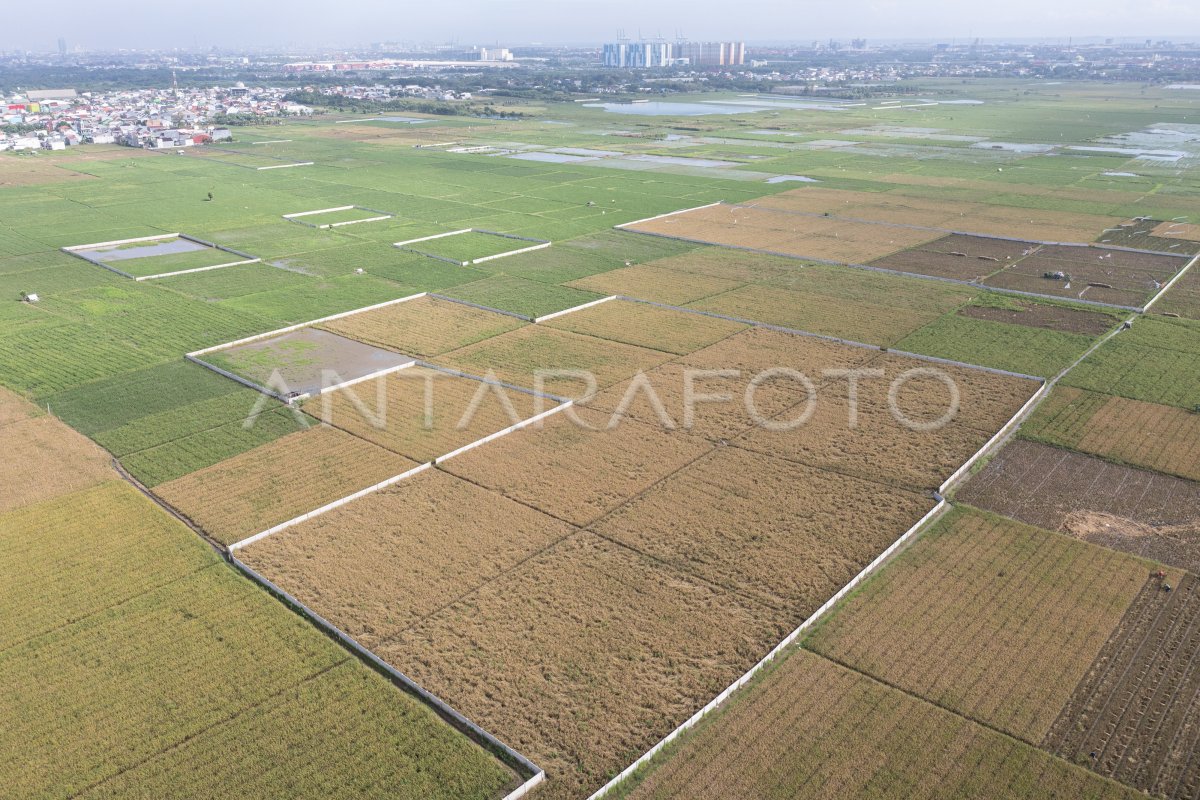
431, 238
364, 378
198, 269
720, 699
309, 323
508, 253
1001, 435
940, 508
392, 481
566, 311
1171, 283
443, 709
273, 141
668, 214
318, 211
115, 242
535, 419
285, 166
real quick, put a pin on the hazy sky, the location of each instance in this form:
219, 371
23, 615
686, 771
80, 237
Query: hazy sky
100, 25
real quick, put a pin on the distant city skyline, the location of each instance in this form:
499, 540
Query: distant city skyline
251, 23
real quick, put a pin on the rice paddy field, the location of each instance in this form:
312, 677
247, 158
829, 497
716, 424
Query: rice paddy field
771, 380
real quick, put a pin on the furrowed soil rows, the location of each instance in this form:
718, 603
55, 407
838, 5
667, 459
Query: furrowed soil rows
515, 357
784, 534
1118, 277
959, 619
1045, 317
584, 656
1141, 234
1141, 512
378, 566
1135, 716
964, 258
273, 483
578, 472
770, 230
422, 413
834, 731
424, 327
675, 332
866, 436
1162, 438
951, 215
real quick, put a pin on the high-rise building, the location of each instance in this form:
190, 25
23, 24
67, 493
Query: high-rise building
638, 55
712, 54
62, 46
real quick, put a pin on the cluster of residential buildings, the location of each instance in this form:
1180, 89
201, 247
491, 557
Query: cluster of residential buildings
627, 54
151, 118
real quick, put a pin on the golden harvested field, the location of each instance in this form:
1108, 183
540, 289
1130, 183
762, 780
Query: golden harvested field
584, 656
746, 355
18, 171
811, 728
423, 327
960, 618
1162, 438
392, 412
786, 535
578, 473
516, 357
376, 567
1177, 230
777, 231
728, 265
675, 332
855, 320
950, 215
44, 458
657, 283
275, 482
14, 408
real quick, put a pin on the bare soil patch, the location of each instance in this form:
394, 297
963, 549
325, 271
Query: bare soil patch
1047, 317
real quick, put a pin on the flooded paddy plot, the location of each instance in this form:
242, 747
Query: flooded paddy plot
159, 256
960, 619
276, 482
1135, 716
425, 327
1138, 511
303, 362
